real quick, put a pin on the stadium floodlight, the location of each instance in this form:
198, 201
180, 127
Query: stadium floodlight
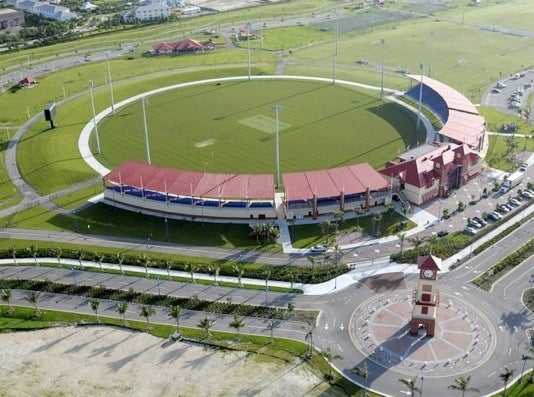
110, 85
383, 42
431, 49
277, 109
95, 125
144, 101
422, 66
248, 52
334, 61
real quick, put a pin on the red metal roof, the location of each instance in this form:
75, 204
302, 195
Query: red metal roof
429, 262
332, 182
190, 183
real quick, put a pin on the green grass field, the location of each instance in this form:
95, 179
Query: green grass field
230, 127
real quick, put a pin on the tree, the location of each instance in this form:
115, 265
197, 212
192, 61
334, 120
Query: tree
192, 268
214, 270
5, 294
377, 219
309, 339
401, 237
272, 325
176, 312
147, 312
339, 217
410, 384
239, 270
95, 304
33, 298
169, 264
462, 384
359, 212
416, 241
363, 372
99, 256
206, 324
237, 323
33, 250
13, 252
330, 356
119, 257
80, 254
272, 233
58, 252
445, 213
145, 261
505, 377
122, 307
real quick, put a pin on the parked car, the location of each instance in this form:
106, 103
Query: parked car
480, 220
494, 216
470, 231
475, 224
528, 195
495, 91
514, 202
443, 233
318, 249
529, 191
503, 208
523, 168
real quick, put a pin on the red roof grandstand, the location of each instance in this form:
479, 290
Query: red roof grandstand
192, 184
353, 179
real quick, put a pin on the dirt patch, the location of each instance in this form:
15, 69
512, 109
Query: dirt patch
107, 361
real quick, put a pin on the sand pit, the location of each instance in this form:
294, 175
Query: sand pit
107, 361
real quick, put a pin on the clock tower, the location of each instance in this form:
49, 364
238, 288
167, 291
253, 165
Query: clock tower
426, 296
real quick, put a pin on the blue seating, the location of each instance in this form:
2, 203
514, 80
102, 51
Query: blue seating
261, 204
431, 99
235, 204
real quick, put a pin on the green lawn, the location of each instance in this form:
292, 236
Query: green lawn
230, 127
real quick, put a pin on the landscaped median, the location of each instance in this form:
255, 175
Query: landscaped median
486, 280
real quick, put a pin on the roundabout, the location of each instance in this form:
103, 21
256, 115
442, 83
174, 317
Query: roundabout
464, 339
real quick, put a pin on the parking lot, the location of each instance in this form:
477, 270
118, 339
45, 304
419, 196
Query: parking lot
510, 94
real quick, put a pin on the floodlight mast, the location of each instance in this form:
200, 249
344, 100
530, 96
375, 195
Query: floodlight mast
277, 109
110, 85
383, 42
95, 125
422, 66
144, 101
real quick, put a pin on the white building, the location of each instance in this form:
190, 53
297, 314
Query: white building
43, 10
147, 13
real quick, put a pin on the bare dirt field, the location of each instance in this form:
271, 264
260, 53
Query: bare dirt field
226, 5
106, 361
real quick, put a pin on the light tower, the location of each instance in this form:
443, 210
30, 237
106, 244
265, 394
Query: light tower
277, 109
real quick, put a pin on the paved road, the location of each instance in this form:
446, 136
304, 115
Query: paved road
502, 306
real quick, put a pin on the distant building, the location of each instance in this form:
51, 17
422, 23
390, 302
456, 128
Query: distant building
11, 18
190, 10
248, 33
187, 45
43, 10
28, 82
147, 13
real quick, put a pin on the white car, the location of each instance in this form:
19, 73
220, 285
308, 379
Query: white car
470, 230
514, 202
527, 194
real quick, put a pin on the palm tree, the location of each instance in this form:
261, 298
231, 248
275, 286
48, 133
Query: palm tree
239, 269
401, 237
272, 233
505, 377
432, 240
192, 268
13, 252
462, 384
95, 304
5, 294
122, 307
416, 241
58, 251
145, 261
169, 264
309, 339
215, 269
99, 258
330, 356
237, 323
377, 218
33, 250
339, 217
312, 261
80, 254
363, 372
206, 324
119, 257
410, 384
359, 212
272, 325
33, 298
147, 312
176, 312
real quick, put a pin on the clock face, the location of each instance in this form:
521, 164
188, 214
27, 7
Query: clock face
428, 273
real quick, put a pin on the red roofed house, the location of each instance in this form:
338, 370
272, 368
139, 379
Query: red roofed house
432, 170
187, 45
28, 82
